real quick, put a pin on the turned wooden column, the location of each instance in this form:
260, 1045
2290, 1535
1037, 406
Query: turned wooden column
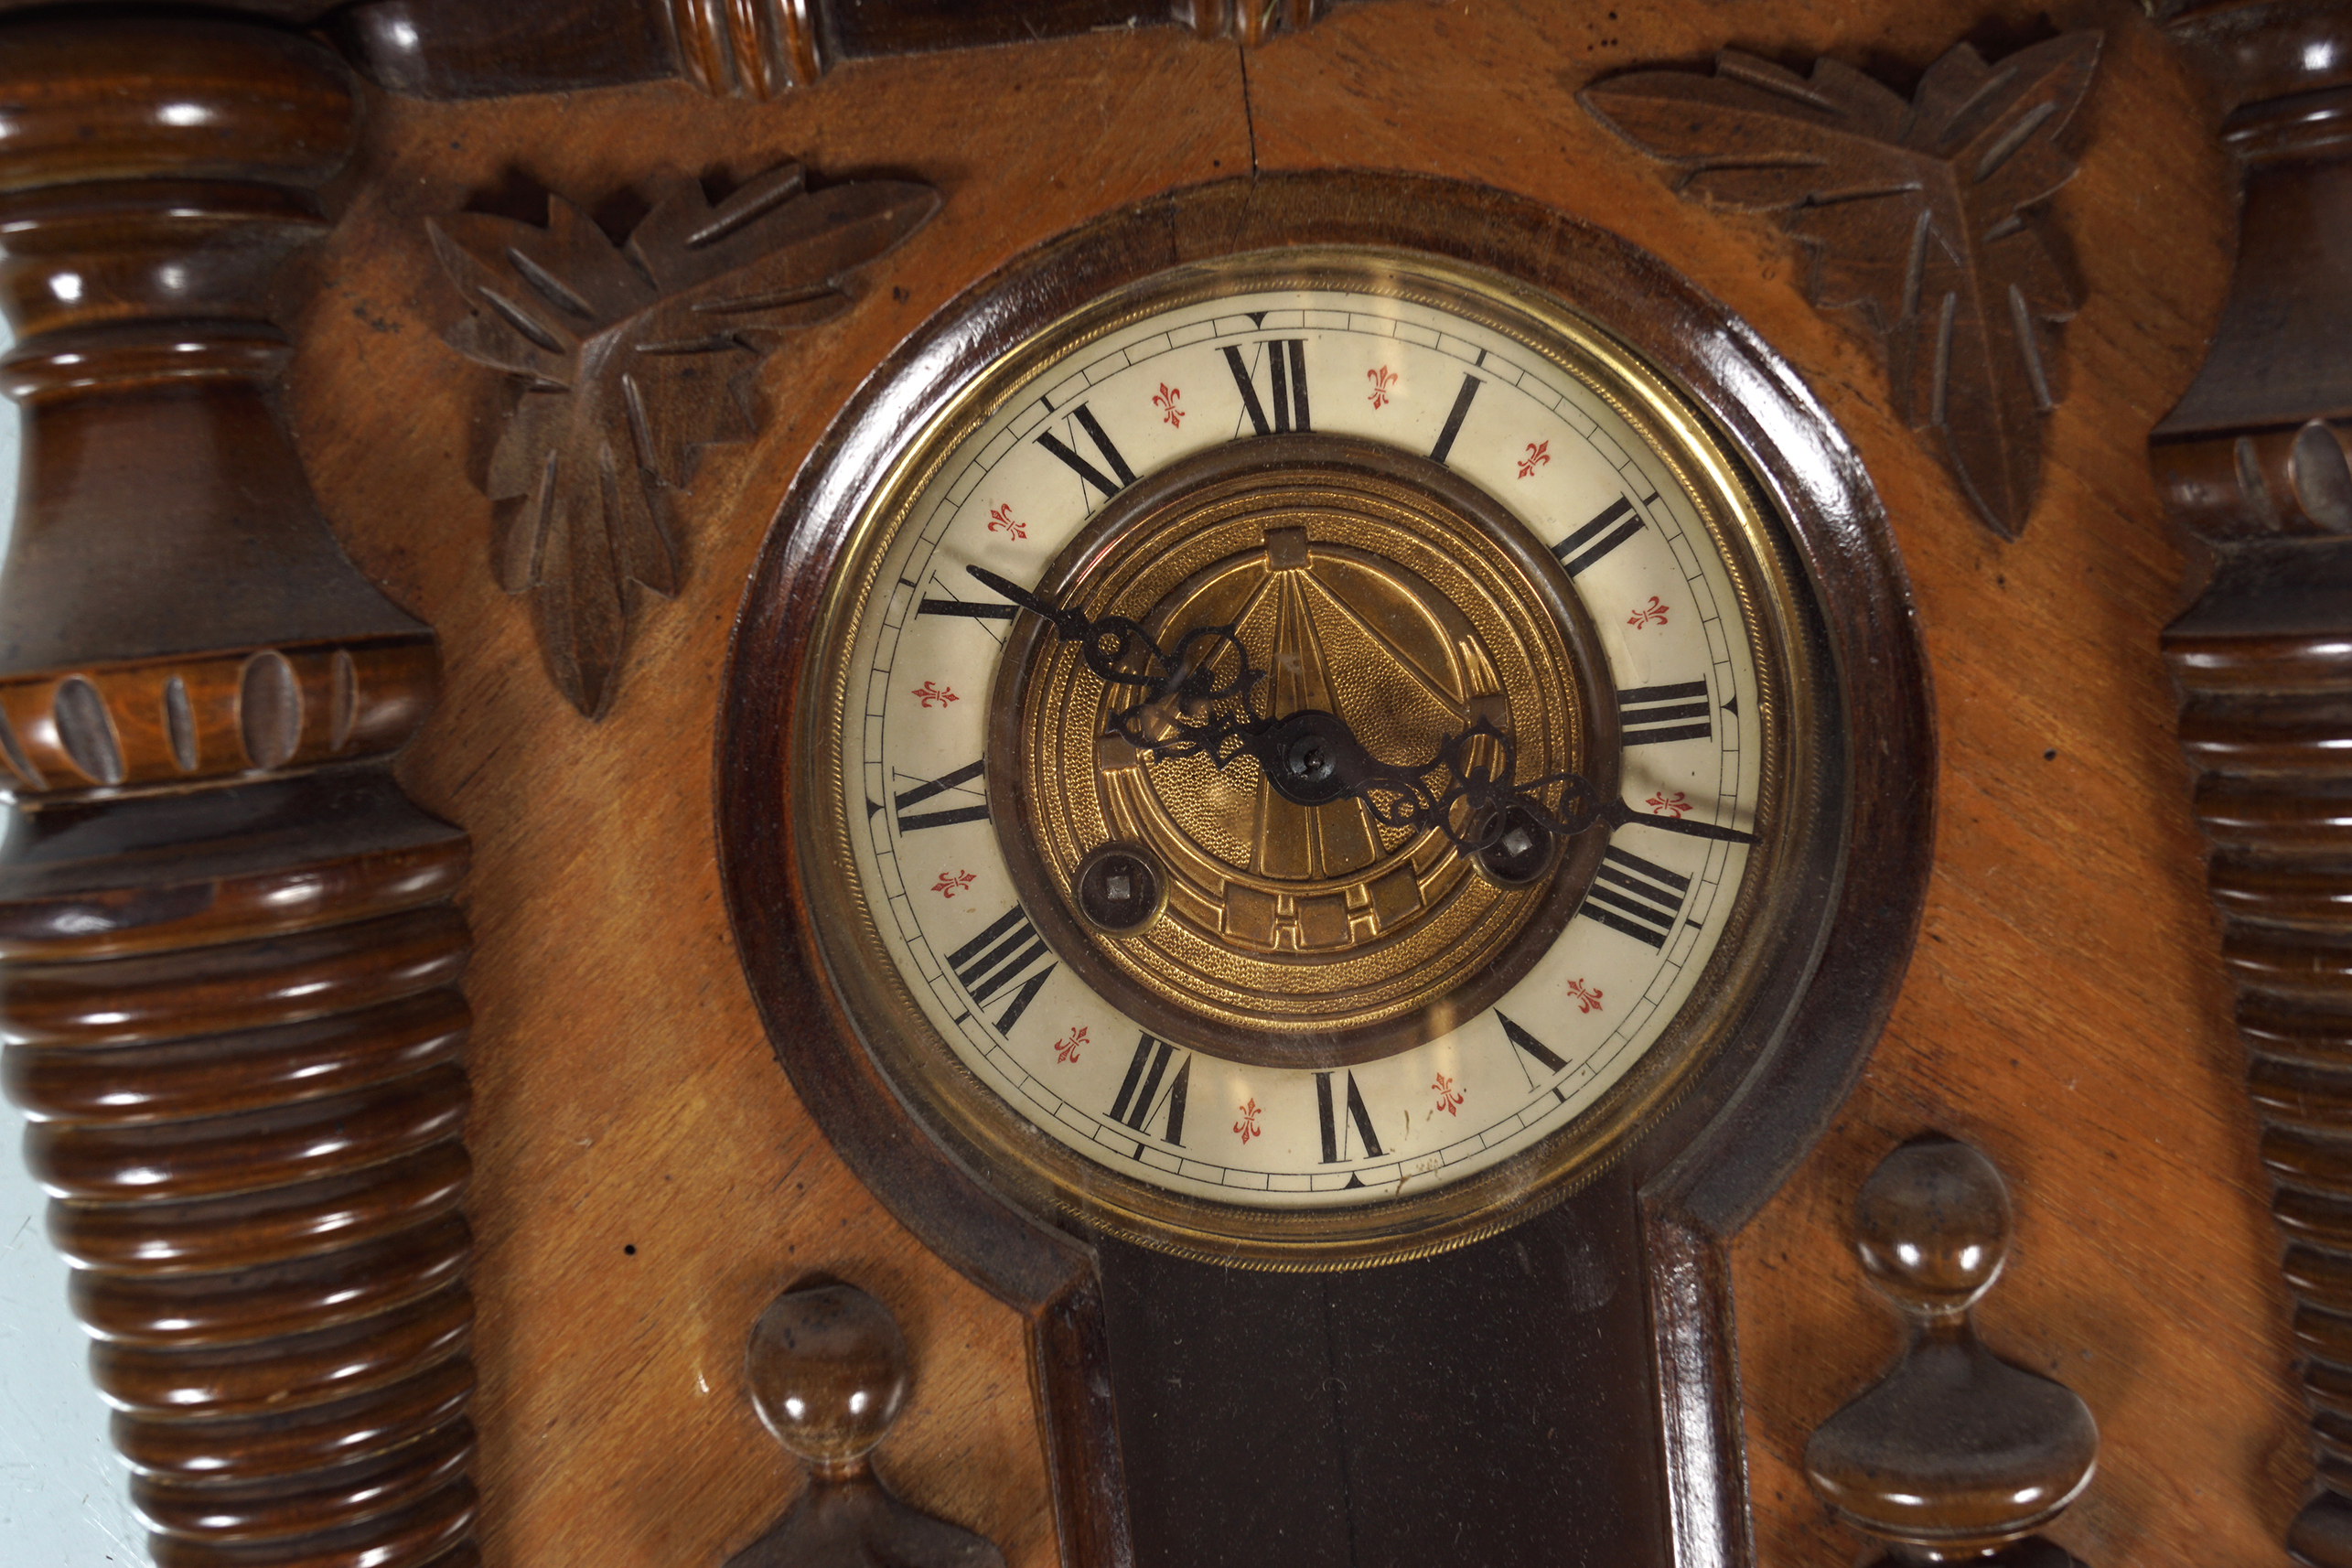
2252, 462
228, 958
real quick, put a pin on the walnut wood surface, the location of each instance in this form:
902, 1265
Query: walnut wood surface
227, 952
624, 1098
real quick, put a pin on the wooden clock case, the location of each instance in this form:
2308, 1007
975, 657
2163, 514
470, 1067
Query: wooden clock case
642, 1177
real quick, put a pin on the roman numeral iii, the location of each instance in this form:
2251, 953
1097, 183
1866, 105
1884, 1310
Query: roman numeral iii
1651, 715
1286, 371
1636, 897
1084, 469
990, 963
1141, 1098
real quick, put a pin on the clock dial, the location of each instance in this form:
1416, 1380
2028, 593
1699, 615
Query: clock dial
1304, 748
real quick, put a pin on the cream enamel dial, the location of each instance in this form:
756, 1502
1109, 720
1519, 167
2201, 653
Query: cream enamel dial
1406, 496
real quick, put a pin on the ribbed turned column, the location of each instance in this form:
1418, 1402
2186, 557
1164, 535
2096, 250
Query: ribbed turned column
228, 960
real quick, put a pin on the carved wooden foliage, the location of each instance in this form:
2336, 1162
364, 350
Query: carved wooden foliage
633, 356
1920, 215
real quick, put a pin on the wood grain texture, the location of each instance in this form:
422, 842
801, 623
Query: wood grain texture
229, 956
2058, 1014
626, 1096
2252, 463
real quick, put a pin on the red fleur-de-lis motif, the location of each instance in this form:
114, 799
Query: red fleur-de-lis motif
1539, 453
948, 886
1449, 1099
1665, 805
1247, 1125
1166, 399
1652, 614
1001, 520
1383, 381
931, 692
1066, 1049
1588, 997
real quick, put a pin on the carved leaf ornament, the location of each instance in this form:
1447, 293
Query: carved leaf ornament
1920, 215
634, 356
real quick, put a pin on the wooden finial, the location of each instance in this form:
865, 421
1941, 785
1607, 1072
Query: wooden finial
828, 1375
1955, 1454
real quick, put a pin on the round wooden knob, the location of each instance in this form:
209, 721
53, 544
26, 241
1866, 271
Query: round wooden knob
828, 1372
1954, 1454
1932, 1225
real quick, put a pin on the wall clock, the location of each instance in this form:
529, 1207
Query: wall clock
1353, 729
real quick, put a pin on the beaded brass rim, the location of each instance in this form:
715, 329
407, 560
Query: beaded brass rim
1042, 1175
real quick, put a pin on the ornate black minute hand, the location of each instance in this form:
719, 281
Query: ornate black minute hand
1313, 757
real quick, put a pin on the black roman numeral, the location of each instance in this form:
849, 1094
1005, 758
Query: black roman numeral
1080, 466
1461, 412
996, 958
1636, 897
1550, 1060
1335, 1139
1289, 389
1617, 522
911, 821
1653, 715
1139, 1095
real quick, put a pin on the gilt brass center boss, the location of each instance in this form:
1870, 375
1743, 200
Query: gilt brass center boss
1300, 755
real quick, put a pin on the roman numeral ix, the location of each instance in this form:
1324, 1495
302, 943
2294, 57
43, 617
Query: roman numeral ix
912, 821
1651, 715
993, 960
1140, 1095
1631, 894
1287, 369
1335, 1136
1080, 466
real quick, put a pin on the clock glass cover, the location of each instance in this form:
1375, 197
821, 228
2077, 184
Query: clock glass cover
1298, 756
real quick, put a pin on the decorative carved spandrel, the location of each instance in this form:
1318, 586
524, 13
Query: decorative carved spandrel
2251, 462
631, 358
1922, 217
828, 1375
1955, 1454
227, 952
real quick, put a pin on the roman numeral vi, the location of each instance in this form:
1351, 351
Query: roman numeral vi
1139, 1095
1335, 1136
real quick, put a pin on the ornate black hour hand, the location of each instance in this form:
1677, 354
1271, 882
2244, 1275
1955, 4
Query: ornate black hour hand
1313, 757
1111, 644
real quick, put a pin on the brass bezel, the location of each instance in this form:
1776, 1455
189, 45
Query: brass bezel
1042, 1176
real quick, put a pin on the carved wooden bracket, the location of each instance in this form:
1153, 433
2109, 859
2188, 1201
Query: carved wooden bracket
828, 1374
1955, 1454
631, 358
1919, 216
